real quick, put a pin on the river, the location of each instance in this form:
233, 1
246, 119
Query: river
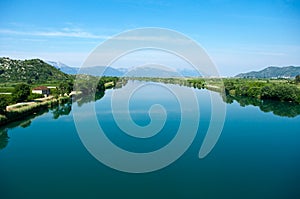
256, 156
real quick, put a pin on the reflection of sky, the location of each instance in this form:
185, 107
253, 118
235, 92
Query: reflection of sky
143, 98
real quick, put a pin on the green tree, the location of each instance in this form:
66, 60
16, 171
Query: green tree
65, 87
297, 79
54, 92
266, 92
229, 85
21, 92
3, 104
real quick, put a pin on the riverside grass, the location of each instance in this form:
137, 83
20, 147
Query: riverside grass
22, 111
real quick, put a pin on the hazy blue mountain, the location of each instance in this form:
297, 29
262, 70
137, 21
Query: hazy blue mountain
93, 70
101, 71
157, 72
189, 73
63, 67
273, 72
152, 72
118, 72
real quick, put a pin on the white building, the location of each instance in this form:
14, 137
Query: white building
41, 90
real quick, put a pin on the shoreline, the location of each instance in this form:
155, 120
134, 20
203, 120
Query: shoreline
18, 111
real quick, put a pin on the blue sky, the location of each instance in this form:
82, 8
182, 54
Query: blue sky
238, 35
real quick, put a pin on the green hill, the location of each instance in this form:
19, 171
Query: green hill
29, 71
273, 72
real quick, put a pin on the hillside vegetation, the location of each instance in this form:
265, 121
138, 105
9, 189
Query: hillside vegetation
29, 71
273, 72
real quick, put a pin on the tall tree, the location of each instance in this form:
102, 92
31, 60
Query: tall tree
21, 92
297, 79
3, 104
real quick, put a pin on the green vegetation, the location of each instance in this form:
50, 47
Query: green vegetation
21, 92
88, 84
17, 78
62, 89
263, 89
273, 72
297, 79
196, 83
34, 71
6, 89
3, 104
92, 88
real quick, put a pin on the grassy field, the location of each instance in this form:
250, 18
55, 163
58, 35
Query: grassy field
9, 87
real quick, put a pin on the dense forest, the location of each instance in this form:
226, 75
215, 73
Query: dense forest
281, 90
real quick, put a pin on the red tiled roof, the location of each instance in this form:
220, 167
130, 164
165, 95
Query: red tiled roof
40, 88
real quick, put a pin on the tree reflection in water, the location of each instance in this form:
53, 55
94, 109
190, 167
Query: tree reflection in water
86, 98
3, 138
62, 109
283, 109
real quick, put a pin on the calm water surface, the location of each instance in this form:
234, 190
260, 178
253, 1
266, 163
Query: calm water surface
257, 155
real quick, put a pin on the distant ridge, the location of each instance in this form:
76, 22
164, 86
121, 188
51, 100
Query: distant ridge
101, 71
119, 72
92, 70
273, 72
63, 67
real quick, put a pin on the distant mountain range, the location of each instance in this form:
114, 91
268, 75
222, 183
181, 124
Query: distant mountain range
93, 70
63, 67
273, 72
36, 70
118, 72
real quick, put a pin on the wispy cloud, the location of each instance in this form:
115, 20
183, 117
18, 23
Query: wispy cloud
66, 32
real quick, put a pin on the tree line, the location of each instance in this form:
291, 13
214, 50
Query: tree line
264, 89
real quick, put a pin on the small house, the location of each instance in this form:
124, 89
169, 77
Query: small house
41, 90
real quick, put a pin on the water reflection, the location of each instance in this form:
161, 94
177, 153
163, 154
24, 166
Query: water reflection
57, 111
62, 109
283, 109
3, 138
86, 98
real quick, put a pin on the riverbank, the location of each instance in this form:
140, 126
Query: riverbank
20, 110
